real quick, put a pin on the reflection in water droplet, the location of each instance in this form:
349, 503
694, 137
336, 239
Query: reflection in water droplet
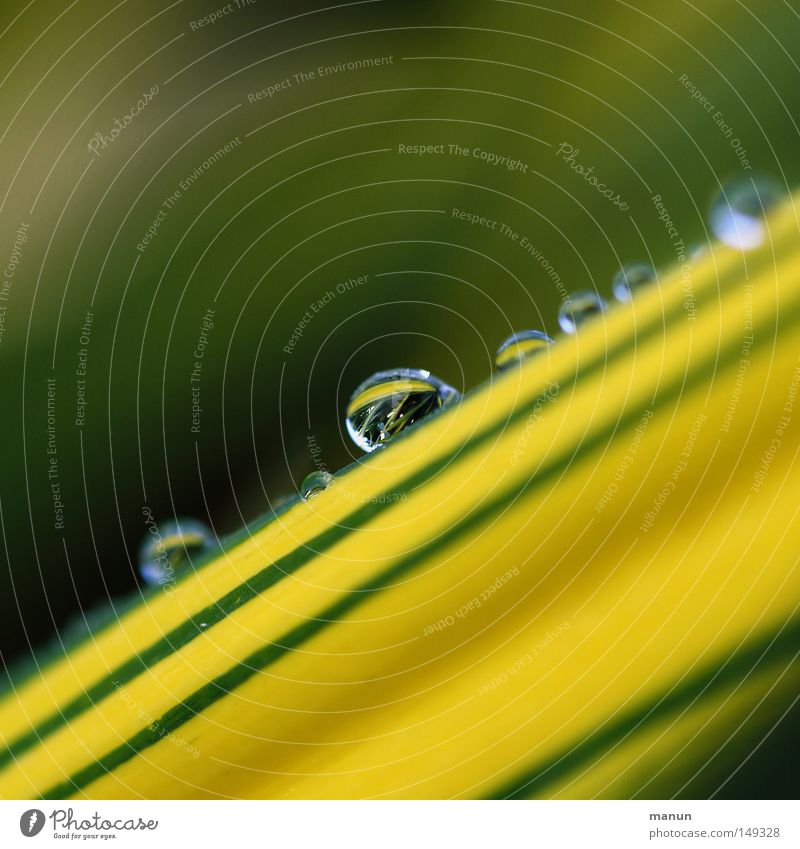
630, 278
170, 545
315, 483
389, 401
578, 308
737, 213
520, 346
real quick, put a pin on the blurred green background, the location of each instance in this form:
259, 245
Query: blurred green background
312, 191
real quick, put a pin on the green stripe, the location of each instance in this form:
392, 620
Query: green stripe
258, 660
214, 613
723, 675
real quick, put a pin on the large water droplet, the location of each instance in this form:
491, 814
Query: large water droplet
578, 308
315, 483
520, 346
171, 545
630, 278
390, 401
737, 214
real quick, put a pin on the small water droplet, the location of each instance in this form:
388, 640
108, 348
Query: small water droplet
520, 346
315, 483
738, 211
169, 546
390, 401
630, 278
578, 308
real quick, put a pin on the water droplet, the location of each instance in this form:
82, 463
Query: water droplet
737, 213
520, 346
578, 308
390, 401
630, 278
169, 546
697, 250
315, 483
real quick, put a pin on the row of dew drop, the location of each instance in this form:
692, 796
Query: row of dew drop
390, 402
